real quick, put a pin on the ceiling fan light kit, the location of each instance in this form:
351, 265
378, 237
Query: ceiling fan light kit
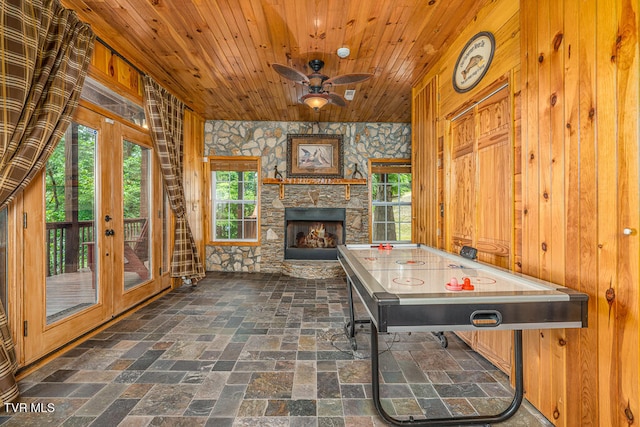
315, 100
319, 84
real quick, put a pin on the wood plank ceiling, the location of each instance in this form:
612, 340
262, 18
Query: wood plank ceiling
216, 55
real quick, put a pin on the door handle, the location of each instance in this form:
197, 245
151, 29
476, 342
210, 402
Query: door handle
109, 232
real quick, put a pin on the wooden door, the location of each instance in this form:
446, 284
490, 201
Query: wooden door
480, 199
494, 207
64, 275
462, 195
88, 256
494, 180
137, 219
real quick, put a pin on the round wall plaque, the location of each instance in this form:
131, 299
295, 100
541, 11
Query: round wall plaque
473, 62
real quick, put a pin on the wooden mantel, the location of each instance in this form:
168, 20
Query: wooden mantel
347, 182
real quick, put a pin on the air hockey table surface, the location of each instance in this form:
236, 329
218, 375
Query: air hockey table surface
404, 289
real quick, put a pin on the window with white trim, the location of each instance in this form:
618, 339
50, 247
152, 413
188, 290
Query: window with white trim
390, 200
234, 196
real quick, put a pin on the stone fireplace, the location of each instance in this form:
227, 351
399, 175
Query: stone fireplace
324, 199
268, 140
313, 233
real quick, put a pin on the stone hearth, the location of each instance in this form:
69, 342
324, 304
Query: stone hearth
312, 269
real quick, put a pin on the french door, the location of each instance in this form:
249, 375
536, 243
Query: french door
92, 232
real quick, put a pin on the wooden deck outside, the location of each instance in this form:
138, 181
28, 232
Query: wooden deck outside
68, 293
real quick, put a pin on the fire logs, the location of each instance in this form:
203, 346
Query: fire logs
318, 237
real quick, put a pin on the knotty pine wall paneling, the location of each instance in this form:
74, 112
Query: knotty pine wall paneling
194, 169
628, 149
530, 190
575, 95
116, 73
426, 186
551, 161
580, 143
580, 191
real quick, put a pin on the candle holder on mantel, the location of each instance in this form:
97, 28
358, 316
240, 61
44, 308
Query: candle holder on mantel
356, 172
276, 173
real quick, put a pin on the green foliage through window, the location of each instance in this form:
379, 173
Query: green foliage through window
59, 178
135, 159
235, 201
391, 202
70, 199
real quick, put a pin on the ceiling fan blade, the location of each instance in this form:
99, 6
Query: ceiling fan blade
336, 99
346, 79
290, 73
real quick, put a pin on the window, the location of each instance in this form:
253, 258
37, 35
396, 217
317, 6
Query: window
98, 94
234, 195
390, 200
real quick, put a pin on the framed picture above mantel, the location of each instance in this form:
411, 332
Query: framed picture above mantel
314, 156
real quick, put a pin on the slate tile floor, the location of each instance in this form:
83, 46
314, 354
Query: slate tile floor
256, 350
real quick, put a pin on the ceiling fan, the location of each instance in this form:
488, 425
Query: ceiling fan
319, 84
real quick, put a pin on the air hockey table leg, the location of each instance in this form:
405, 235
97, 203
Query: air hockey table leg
444, 343
466, 420
350, 326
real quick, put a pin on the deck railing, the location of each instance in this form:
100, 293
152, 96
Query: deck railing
68, 251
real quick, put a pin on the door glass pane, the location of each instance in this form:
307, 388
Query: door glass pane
70, 224
137, 204
3, 258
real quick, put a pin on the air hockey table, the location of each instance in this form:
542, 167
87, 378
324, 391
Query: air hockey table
412, 287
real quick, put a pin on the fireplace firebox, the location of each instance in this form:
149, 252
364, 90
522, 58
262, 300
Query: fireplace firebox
313, 233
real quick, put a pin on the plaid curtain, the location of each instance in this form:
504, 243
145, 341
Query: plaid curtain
165, 116
46, 52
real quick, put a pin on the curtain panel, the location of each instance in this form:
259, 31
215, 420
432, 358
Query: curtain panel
46, 52
165, 115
